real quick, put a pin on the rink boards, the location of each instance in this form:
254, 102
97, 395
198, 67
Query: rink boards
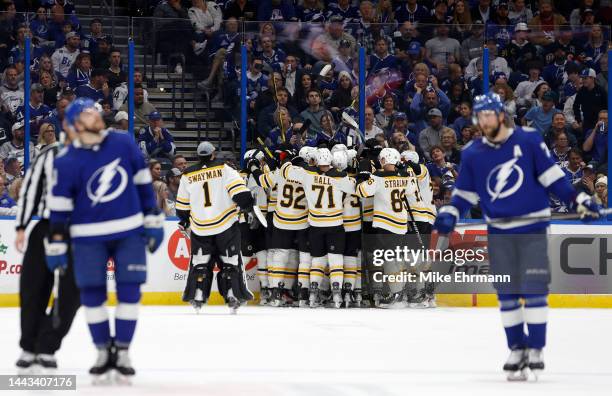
167, 271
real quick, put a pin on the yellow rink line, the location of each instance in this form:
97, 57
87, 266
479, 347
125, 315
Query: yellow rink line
444, 300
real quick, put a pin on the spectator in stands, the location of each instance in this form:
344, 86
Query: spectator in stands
521, 52
265, 121
276, 10
471, 47
590, 100
462, 20
525, 89
206, 18
46, 136
602, 76
575, 165
341, 97
52, 90
57, 115
596, 46
120, 93
64, 57
97, 89
519, 13
438, 166
80, 72
465, 119
141, 108
426, 100
483, 12
38, 110
432, 135
11, 92
371, 129
155, 169
161, 193
14, 189
179, 162
291, 73
155, 140
448, 142
5, 199
499, 26
122, 120
411, 12
17, 53
301, 92
540, 117
15, 147
442, 50
58, 23
314, 112
596, 141
173, 179
174, 33
272, 57
560, 149
101, 58
328, 132
46, 65
545, 24
326, 43
40, 27
386, 112
108, 115
554, 71
240, 9
559, 126
601, 191
497, 64
507, 96
281, 130
222, 46
586, 183
115, 73
13, 169
91, 41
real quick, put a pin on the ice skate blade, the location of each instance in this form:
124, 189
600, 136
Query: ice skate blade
399, 305
535, 374
517, 376
34, 369
105, 379
123, 380
303, 304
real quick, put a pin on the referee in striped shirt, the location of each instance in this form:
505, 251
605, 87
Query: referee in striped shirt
39, 339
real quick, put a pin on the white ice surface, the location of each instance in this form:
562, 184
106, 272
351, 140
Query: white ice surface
324, 352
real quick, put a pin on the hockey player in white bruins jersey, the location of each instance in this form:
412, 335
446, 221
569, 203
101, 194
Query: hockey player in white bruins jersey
324, 188
389, 187
351, 218
289, 247
210, 196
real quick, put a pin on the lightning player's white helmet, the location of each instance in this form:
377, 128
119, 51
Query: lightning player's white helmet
390, 155
307, 153
410, 156
323, 157
340, 160
338, 147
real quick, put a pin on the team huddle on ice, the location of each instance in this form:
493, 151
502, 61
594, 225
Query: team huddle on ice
318, 204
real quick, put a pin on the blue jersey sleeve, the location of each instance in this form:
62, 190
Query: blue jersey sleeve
464, 195
549, 174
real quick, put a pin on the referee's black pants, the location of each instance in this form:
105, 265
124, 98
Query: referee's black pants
37, 333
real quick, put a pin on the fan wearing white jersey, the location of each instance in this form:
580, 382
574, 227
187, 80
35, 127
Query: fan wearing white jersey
324, 188
209, 199
389, 187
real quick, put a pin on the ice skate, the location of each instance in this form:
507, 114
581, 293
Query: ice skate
198, 300
123, 367
313, 298
336, 295
357, 298
516, 365
394, 301
376, 299
303, 297
47, 363
26, 364
276, 299
288, 298
536, 362
265, 296
232, 302
103, 366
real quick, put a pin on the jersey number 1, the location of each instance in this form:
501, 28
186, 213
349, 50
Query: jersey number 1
207, 202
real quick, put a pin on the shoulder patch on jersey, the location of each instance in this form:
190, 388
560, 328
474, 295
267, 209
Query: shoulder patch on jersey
467, 145
63, 152
529, 129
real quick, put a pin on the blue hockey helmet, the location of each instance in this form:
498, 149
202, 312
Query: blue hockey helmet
487, 102
74, 109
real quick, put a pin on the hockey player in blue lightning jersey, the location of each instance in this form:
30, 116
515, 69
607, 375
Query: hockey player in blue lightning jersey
511, 172
103, 203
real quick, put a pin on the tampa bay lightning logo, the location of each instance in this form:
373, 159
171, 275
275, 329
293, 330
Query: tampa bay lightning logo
504, 180
107, 183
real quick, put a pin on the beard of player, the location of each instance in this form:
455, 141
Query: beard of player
493, 126
87, 128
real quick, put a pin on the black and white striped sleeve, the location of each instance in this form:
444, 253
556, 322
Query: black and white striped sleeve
33, 195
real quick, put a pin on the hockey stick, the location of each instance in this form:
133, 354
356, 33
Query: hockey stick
565, 216
349, 120
264, 147
55, 317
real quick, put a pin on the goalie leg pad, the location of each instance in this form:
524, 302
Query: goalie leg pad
232, 278
200, 276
